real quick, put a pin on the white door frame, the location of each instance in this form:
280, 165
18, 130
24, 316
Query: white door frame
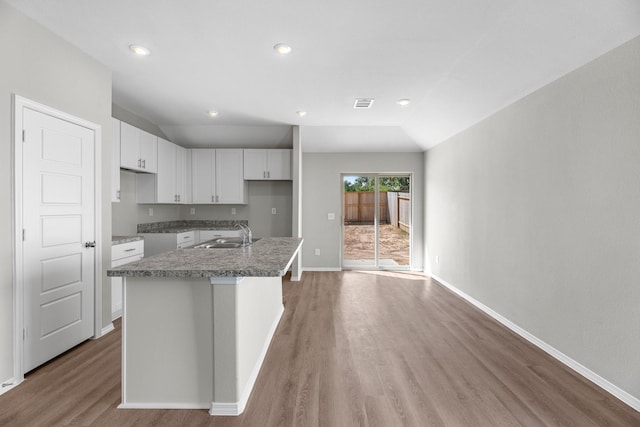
377, 175
19, 103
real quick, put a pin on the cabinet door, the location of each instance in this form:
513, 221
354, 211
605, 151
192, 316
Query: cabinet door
230, 185
181, 174
255, 164
202, 175
149, 152
130, 147
166, 172
115, 160
279, 164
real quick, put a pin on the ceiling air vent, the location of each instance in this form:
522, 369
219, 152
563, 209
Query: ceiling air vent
361, 103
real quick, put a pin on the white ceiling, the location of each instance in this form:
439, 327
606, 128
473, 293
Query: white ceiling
458, 60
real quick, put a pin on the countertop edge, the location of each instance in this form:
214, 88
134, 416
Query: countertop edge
275, 270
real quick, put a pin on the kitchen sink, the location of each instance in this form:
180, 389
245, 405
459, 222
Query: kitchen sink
223, 242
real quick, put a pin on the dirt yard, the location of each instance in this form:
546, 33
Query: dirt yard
394, 243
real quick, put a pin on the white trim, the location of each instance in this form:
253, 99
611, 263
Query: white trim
10, 384
237, 408
322, 269
226, 280
106, 330
296, 278
225, 409
167, 405
627, 398
19, 104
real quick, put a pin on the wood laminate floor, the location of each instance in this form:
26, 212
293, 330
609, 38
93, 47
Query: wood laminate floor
352, 349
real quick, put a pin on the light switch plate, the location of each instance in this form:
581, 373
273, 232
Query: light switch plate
150, 211
193, 211
273, 211
331, 216
233, 211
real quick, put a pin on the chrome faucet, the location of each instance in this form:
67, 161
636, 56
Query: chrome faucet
246, 233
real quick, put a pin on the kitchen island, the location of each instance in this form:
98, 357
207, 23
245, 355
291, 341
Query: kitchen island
197, 324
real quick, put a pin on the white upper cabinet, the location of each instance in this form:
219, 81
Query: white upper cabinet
263, 164
230, 184
115, 160
216, 176
168, 184
138, 149
182, 170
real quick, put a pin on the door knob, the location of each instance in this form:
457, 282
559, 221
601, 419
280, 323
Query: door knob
90, 244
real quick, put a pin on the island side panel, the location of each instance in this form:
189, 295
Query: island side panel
255, 305
167, 343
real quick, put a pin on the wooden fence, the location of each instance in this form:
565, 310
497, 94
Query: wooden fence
399, 209
395, 208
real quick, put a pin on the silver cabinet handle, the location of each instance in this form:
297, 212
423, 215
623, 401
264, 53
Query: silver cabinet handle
213, 199
139, 163
130, 250
144, 164
118, 194
268, 174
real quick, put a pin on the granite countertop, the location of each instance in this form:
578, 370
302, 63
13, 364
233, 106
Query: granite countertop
181, 226
118, 240
267, 257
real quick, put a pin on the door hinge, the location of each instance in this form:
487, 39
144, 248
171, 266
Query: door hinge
24, 334
24, 138
24, 234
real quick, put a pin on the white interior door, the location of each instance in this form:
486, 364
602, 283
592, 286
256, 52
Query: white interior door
58, 174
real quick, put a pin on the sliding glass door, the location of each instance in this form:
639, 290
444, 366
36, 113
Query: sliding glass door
376, 221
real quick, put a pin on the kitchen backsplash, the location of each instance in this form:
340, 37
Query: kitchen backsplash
143, 228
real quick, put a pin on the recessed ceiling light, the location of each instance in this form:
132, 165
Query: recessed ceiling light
282, 48
403, 101
301, 113
213, 113
139, 50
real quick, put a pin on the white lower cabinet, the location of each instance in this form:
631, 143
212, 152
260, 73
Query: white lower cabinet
122, 254
156, 243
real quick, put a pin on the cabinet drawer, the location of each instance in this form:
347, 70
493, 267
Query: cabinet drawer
127, 250
186, 237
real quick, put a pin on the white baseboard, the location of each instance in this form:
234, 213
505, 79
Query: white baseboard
166, 405
237, 408
322, 269
10, 384
106, 330
627, 398
117, 312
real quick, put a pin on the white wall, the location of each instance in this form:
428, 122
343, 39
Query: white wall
40, 66
535, 212
322, 194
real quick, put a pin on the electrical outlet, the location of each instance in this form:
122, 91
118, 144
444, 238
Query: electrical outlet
233, 211
193, 211
150, 211
273, 211
317, 251
331, 216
